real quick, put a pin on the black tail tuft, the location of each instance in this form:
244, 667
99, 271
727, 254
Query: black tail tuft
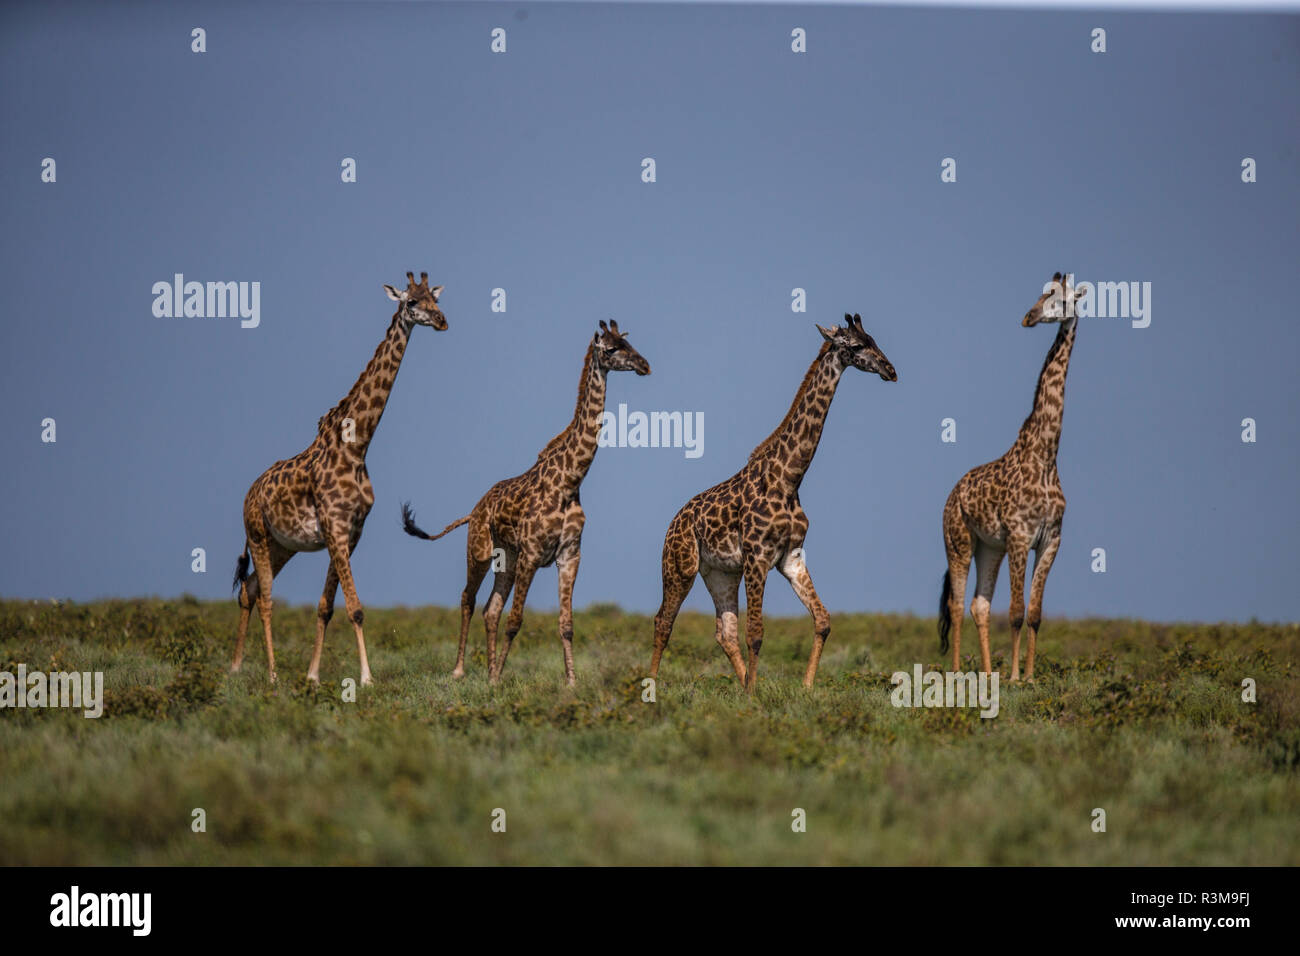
241, 569
411, 528
945, 615
408, 522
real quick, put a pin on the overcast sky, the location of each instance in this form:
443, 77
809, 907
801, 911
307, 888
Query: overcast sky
775, 170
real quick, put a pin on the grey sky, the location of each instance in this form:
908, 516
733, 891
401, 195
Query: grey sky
775, 170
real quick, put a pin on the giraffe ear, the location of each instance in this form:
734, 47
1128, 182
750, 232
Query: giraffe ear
394, 294
1080, 293
435, 292
827, 334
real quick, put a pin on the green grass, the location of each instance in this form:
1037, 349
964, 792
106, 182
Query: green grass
1143, 720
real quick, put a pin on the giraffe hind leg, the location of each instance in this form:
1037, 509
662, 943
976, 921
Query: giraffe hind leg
960, 546
988, 559
268, 558
478, 559
246, 599
681, 560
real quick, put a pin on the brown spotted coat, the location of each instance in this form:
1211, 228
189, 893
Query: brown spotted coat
753, 522
320, 497
1014, 504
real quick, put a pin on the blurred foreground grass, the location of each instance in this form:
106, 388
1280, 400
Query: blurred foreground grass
1145, 721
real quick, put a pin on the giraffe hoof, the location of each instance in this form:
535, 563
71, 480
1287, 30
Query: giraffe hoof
313, 679
366, 680
458, 673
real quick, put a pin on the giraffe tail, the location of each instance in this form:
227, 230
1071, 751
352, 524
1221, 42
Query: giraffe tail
945, 615
411, 528
241, 569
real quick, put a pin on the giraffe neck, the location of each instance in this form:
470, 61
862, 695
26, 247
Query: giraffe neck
789, 450
574, 448
1040, 435
365, 402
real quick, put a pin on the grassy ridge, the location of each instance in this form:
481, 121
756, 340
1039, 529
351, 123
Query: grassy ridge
1145, 721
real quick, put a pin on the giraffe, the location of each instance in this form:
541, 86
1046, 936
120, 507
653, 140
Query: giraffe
320, 497
1013, 504
535, 519
753, 521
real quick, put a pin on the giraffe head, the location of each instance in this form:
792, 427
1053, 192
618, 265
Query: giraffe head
614, 353
418, 302
858, 349
1057, 302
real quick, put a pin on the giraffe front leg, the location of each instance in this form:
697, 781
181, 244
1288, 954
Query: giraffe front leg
724, 587
523, 580
340, 556
1043, 559
324, 611
502, 582
268, 559
566, 562
794, 570
755, 581
1017, 560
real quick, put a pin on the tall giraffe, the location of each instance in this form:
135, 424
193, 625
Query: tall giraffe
1013, 504
535, 519
753, 522
320, 497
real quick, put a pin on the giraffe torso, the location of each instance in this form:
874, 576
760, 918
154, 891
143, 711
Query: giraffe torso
1010, 499
748, 512
529, 514
756, 512
298, 498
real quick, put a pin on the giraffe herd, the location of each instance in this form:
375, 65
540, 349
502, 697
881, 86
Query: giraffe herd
733, 533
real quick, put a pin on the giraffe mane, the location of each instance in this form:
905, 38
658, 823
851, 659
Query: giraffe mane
765, 445
587, 361
328, 423
1058, 343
